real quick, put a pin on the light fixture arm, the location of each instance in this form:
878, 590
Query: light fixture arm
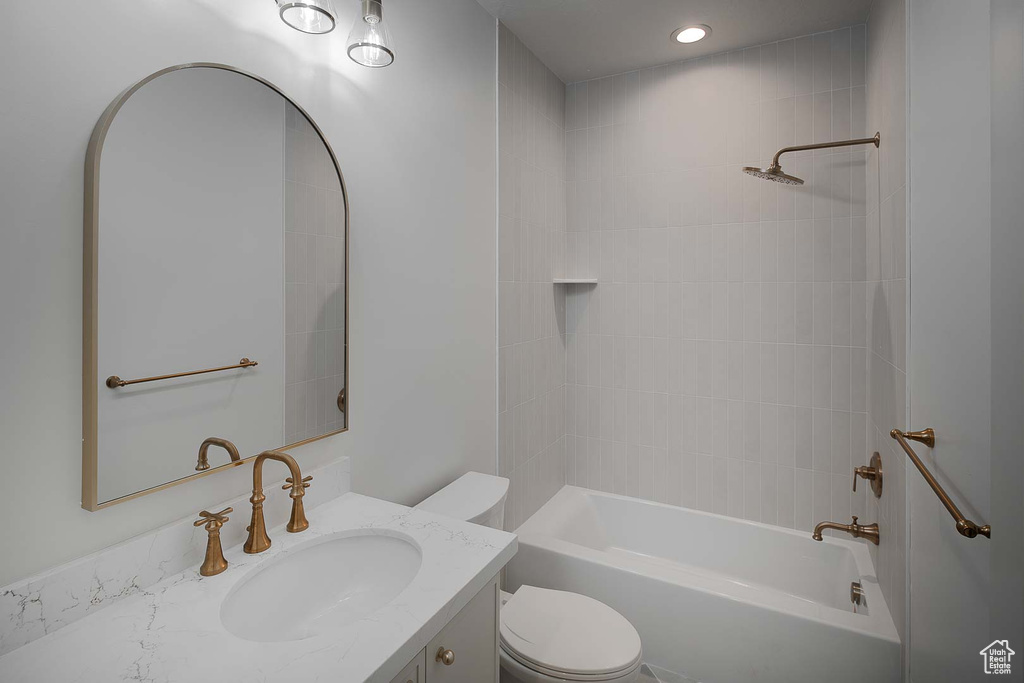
876, 140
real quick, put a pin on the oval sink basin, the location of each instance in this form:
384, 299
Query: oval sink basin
320, 587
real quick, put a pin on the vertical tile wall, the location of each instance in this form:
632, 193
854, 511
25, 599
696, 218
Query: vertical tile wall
314, 305
720, 363
531, 311
887, 295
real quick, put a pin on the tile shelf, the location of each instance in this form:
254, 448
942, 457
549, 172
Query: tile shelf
575, 281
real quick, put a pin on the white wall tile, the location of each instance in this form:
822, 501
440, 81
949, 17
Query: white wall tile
821, 62
537, 208
803, 66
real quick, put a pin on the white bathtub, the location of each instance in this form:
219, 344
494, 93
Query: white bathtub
715, 599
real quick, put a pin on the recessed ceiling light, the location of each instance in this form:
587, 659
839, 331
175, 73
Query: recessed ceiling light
691, 33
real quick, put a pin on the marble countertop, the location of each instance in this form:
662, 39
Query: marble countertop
172, 631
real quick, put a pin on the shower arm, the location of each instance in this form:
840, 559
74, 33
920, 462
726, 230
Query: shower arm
825, 145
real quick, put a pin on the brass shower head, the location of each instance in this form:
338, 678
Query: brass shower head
775, 174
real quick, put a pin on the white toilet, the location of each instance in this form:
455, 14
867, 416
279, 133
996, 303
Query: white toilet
546, 635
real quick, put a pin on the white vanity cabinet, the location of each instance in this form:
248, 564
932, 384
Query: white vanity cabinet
471, 641
415, 672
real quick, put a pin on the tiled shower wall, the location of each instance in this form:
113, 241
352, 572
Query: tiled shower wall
531, 311
721, 361
314, 304
887, 240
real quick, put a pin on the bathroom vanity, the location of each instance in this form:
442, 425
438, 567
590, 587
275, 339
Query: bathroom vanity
372, 591
466, 649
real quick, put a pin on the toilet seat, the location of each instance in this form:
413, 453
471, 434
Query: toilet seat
521, 673
568, 636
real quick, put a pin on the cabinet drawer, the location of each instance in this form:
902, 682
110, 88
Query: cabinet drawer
414, 672
472, 638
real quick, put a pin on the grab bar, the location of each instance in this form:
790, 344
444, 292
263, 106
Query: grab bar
115, 382
927, 436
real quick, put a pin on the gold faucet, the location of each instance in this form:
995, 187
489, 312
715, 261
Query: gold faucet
258, 540
868, 531
204, 462
214, 563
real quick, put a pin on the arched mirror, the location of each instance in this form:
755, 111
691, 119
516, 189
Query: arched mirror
216, 228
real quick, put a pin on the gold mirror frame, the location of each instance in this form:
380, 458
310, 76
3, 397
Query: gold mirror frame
90, 377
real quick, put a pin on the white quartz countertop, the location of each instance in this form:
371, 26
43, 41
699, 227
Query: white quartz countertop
172, 631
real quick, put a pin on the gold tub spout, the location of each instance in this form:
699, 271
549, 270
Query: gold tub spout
258, 540
868, 531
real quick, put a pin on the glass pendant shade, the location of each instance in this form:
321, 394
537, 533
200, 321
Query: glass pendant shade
370, 43
308, 16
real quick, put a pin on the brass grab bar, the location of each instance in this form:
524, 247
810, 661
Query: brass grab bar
927, 436
115, 382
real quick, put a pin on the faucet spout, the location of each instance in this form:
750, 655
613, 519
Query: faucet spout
203, 462
258, 540
866, 531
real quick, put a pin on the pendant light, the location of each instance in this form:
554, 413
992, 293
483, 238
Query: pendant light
308, 16
369, 42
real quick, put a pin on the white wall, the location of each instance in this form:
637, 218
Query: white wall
417, 144
531, 310
965, 365
949, 359
1006, 601
720, 362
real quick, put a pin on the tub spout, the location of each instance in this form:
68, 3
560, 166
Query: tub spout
868, 531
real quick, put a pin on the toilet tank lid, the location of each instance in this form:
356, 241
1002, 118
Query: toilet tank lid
471, 497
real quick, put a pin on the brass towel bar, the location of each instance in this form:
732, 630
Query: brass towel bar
115, 382
927, 436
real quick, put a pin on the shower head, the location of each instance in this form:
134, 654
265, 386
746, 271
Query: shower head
774, 173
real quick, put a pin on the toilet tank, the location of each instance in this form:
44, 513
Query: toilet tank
473, 497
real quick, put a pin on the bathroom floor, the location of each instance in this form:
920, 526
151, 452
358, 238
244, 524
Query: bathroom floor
652, 674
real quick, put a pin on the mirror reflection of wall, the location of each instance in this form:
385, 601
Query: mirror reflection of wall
315, 283
220, 233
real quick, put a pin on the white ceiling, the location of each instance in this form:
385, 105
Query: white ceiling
581, 39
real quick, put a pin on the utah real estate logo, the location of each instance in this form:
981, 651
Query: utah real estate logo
997, 657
